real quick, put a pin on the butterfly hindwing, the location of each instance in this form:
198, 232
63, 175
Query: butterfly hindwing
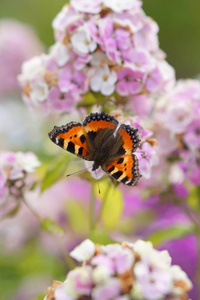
131, 140
71, 137
124, 169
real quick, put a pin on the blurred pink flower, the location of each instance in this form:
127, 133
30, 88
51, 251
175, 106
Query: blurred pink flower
119, 6
14, 51
192, 135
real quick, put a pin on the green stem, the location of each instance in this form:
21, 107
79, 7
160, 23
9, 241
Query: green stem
69, 261
37, 216
91, 208
102, 206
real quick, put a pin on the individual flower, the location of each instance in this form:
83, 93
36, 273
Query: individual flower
129, 81
147, 159
122, 269
178, 116
66, 20
81, 41
72, 81
61, 53
139, 59
103, 81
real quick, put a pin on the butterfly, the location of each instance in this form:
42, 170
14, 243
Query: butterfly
100, 138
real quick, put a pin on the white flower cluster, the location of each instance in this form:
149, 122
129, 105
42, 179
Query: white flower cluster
122, 272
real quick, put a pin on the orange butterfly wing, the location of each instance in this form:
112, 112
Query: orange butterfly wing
71, 137
124, 169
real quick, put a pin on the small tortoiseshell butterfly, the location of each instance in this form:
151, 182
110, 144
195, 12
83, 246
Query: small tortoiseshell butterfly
103, 140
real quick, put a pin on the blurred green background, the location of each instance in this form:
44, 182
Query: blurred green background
178, 20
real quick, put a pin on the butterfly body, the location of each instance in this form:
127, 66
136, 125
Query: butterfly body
103, 140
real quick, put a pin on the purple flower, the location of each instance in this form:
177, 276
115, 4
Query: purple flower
129, 81
72, 81
63, 102
154, 80
108, 42
147, 158
139, 60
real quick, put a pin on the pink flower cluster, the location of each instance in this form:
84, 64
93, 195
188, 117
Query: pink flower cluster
18, 42
13, 170
122, 272
176, 125
107, 46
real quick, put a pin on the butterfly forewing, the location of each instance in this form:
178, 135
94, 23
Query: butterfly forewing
71, 137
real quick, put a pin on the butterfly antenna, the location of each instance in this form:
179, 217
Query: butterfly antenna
78, 171
97, 181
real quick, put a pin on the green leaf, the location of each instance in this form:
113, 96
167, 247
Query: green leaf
112, 205
100, 237
55, 171
50, 226
88, 100
171, 233
76, 217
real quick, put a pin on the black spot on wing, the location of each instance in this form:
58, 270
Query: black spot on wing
117, 174
120, 160
80, 151
82, 138
71, 147
125, 179
60, 142
111, 169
